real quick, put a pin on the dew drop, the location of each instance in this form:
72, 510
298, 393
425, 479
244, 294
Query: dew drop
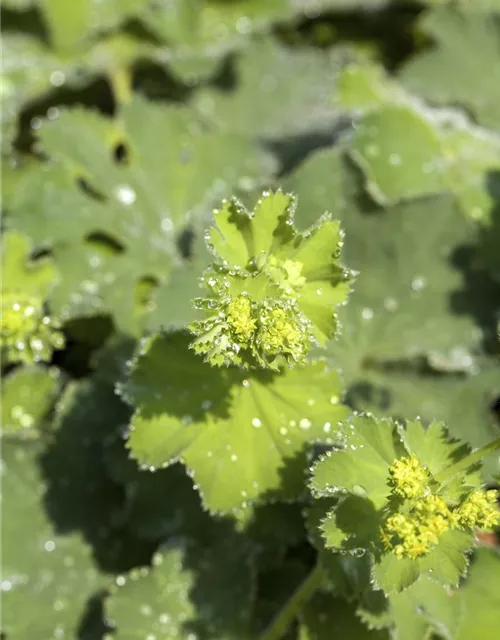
390, 304
256, 423
243, 25
372, 150
418, 283
125, 194
367, 313
304, 423
53, 113
57, 78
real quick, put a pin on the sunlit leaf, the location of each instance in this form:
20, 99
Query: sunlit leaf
252, 429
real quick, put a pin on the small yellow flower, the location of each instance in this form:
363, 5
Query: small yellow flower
479, 510
415, 533
282, 330
239, 316
27, 334
409, 478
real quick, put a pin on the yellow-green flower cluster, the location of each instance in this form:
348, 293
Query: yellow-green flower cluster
409, 478
423, 515
283, 330
479, 510
240, 330
27, 334
415, 533
239, 317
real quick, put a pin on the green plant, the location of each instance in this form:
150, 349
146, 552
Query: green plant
250, 320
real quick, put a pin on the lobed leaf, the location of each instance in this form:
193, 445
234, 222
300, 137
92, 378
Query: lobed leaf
105, 248
47, 577
410, 344
447, 73
361, 467
325, 617
251, 429
280, 92
188, 590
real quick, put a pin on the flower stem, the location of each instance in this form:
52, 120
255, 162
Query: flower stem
279, 625
471, 459
121, 84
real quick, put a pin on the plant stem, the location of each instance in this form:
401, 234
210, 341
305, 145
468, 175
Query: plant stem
121, 84
279, 625
471, 459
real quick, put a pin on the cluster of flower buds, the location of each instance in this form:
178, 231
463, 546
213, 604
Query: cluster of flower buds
240, 331
27, 334
422, 516
271, 291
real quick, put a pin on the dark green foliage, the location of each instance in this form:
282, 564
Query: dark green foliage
337, 164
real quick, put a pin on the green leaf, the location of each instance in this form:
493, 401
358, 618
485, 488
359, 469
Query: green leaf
47, 577
70, 25
170, 176
347, 574
366, 86
445, 564
32, 71
222, 425
325, 617
274, 530
397, 284
432, 156
271, 292
479, 597
394, 574
188, 590
352, 526
28, 395
200, 33
447, 73
398, 358
424, 606
280, 91
448, 562
433, 444
397, 171
158, 505
87, 415
439, 149
19, 273
361, 467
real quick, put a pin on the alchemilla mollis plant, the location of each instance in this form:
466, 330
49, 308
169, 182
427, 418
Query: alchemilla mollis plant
250, 320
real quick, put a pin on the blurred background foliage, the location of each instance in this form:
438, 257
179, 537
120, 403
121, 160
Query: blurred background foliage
124, 122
